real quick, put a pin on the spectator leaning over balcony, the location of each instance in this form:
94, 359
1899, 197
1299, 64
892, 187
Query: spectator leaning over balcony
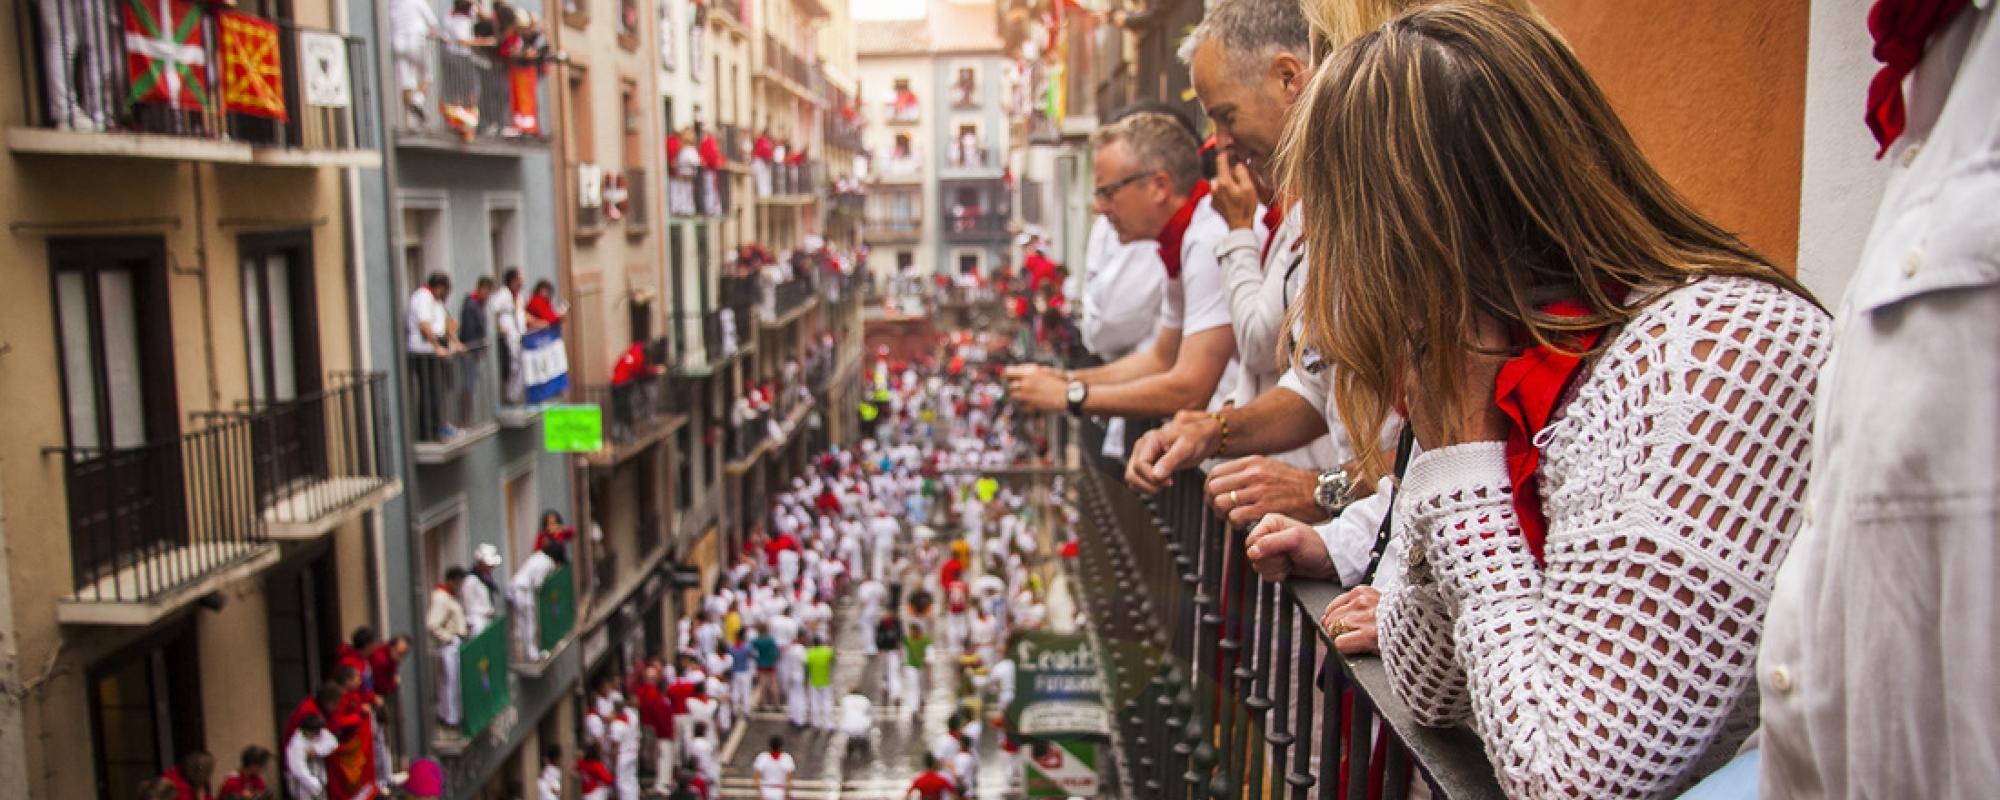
526, 54
1323, 516
413, 25
446, 622
1876, 673
525, 590
477, 593
507, 320
432, 341
1611, 394
473, 329
1150, 187
542, 309
762, 152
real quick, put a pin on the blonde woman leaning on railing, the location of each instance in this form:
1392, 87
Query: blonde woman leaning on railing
1595, 615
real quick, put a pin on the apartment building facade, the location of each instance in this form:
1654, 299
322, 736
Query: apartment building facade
198, 446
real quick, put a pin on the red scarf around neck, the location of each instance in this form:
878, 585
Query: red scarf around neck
1528, 389
1177, 225
1902, 30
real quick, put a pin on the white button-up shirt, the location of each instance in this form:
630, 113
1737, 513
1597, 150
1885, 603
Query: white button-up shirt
1880, 667
1121, 293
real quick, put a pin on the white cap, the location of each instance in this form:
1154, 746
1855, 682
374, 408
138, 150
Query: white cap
487, 554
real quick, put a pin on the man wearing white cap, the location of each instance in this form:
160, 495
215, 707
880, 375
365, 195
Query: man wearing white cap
477, 594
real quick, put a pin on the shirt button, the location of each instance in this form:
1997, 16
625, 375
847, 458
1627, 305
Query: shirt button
1910, 154
1912, 261
1781, 679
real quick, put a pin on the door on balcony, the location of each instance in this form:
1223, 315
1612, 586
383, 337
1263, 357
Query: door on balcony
303, 612
288, 434
145, 709
125, 472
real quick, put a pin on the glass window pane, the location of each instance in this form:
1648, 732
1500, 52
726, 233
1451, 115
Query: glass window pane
78, 357
253, 328
284, 366
118, 307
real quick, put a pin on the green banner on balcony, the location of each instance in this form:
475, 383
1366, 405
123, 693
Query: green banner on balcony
1058, 688
573, 429
556, 602
482, 676
1055, 770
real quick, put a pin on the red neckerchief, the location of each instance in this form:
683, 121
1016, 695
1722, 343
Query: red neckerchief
1274, 215
1177, 225
1902, 29
1528, 389
447, 588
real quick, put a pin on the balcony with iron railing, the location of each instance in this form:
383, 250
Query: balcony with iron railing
1221, 681
637, 415
788, 301
902, 167
165, 86
904, 111
452, 400
322, 458
481, 102
789, 70
973, 223
160, 525
735, 143
792, 183
962, 156
892, 230
702, 193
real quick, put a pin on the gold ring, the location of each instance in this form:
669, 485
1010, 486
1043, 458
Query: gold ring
1233, 502
1340, 628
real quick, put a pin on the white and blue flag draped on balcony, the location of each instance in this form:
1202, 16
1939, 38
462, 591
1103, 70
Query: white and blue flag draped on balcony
544, 365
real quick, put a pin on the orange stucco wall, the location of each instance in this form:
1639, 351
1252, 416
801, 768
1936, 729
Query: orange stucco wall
1715, 92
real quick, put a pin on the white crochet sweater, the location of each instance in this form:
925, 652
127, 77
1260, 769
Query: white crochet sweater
1671, 481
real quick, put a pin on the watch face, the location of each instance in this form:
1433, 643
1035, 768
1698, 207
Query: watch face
1076, 392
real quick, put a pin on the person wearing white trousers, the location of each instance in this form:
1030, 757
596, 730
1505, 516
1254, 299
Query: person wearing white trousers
625, 737
792, 680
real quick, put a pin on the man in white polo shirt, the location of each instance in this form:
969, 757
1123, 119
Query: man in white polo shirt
1150, 187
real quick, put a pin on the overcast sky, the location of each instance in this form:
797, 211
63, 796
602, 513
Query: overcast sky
888, 9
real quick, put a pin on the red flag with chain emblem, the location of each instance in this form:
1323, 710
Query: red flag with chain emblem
167, 54
252, 80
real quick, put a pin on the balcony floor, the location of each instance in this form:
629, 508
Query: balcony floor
292, 518
443, 452
47, 141
239, 561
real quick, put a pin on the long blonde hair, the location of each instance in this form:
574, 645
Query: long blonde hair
1459, 161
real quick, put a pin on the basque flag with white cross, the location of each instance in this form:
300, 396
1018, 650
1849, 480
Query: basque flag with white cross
167, 53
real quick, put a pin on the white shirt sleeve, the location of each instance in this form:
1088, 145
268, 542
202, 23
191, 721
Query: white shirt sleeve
1122, 294
1350, 537
1205, 304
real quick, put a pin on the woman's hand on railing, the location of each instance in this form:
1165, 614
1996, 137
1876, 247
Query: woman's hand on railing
1249, 489
1280, 547
1350, 621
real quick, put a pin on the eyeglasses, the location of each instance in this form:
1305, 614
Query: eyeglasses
1110, 190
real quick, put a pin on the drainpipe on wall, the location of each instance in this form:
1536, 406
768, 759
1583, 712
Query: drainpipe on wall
13, 731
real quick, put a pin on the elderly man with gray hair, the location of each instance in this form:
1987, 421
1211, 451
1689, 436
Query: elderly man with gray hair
1249, 61
1149, 185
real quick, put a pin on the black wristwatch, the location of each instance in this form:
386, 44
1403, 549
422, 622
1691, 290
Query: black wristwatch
1334, 492
1078, 392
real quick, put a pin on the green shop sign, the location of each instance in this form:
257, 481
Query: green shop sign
1058, 688
573, 429
1060, 769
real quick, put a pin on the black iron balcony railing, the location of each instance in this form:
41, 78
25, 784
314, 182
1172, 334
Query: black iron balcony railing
961, 156
474, 98
787, 297
145, 521
1223, 680
893, 229
85, 69
723, 334
788, 180
782, 61
735, 143
742, 439
319, 455
974, 223
453, 396
633, 410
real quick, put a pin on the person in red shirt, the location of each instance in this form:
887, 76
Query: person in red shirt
710, 151
594, 781
541, 308
763, 149
192, 776
931, 784
385, 663
553, 530
950, 573
1040, 269
248, 782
